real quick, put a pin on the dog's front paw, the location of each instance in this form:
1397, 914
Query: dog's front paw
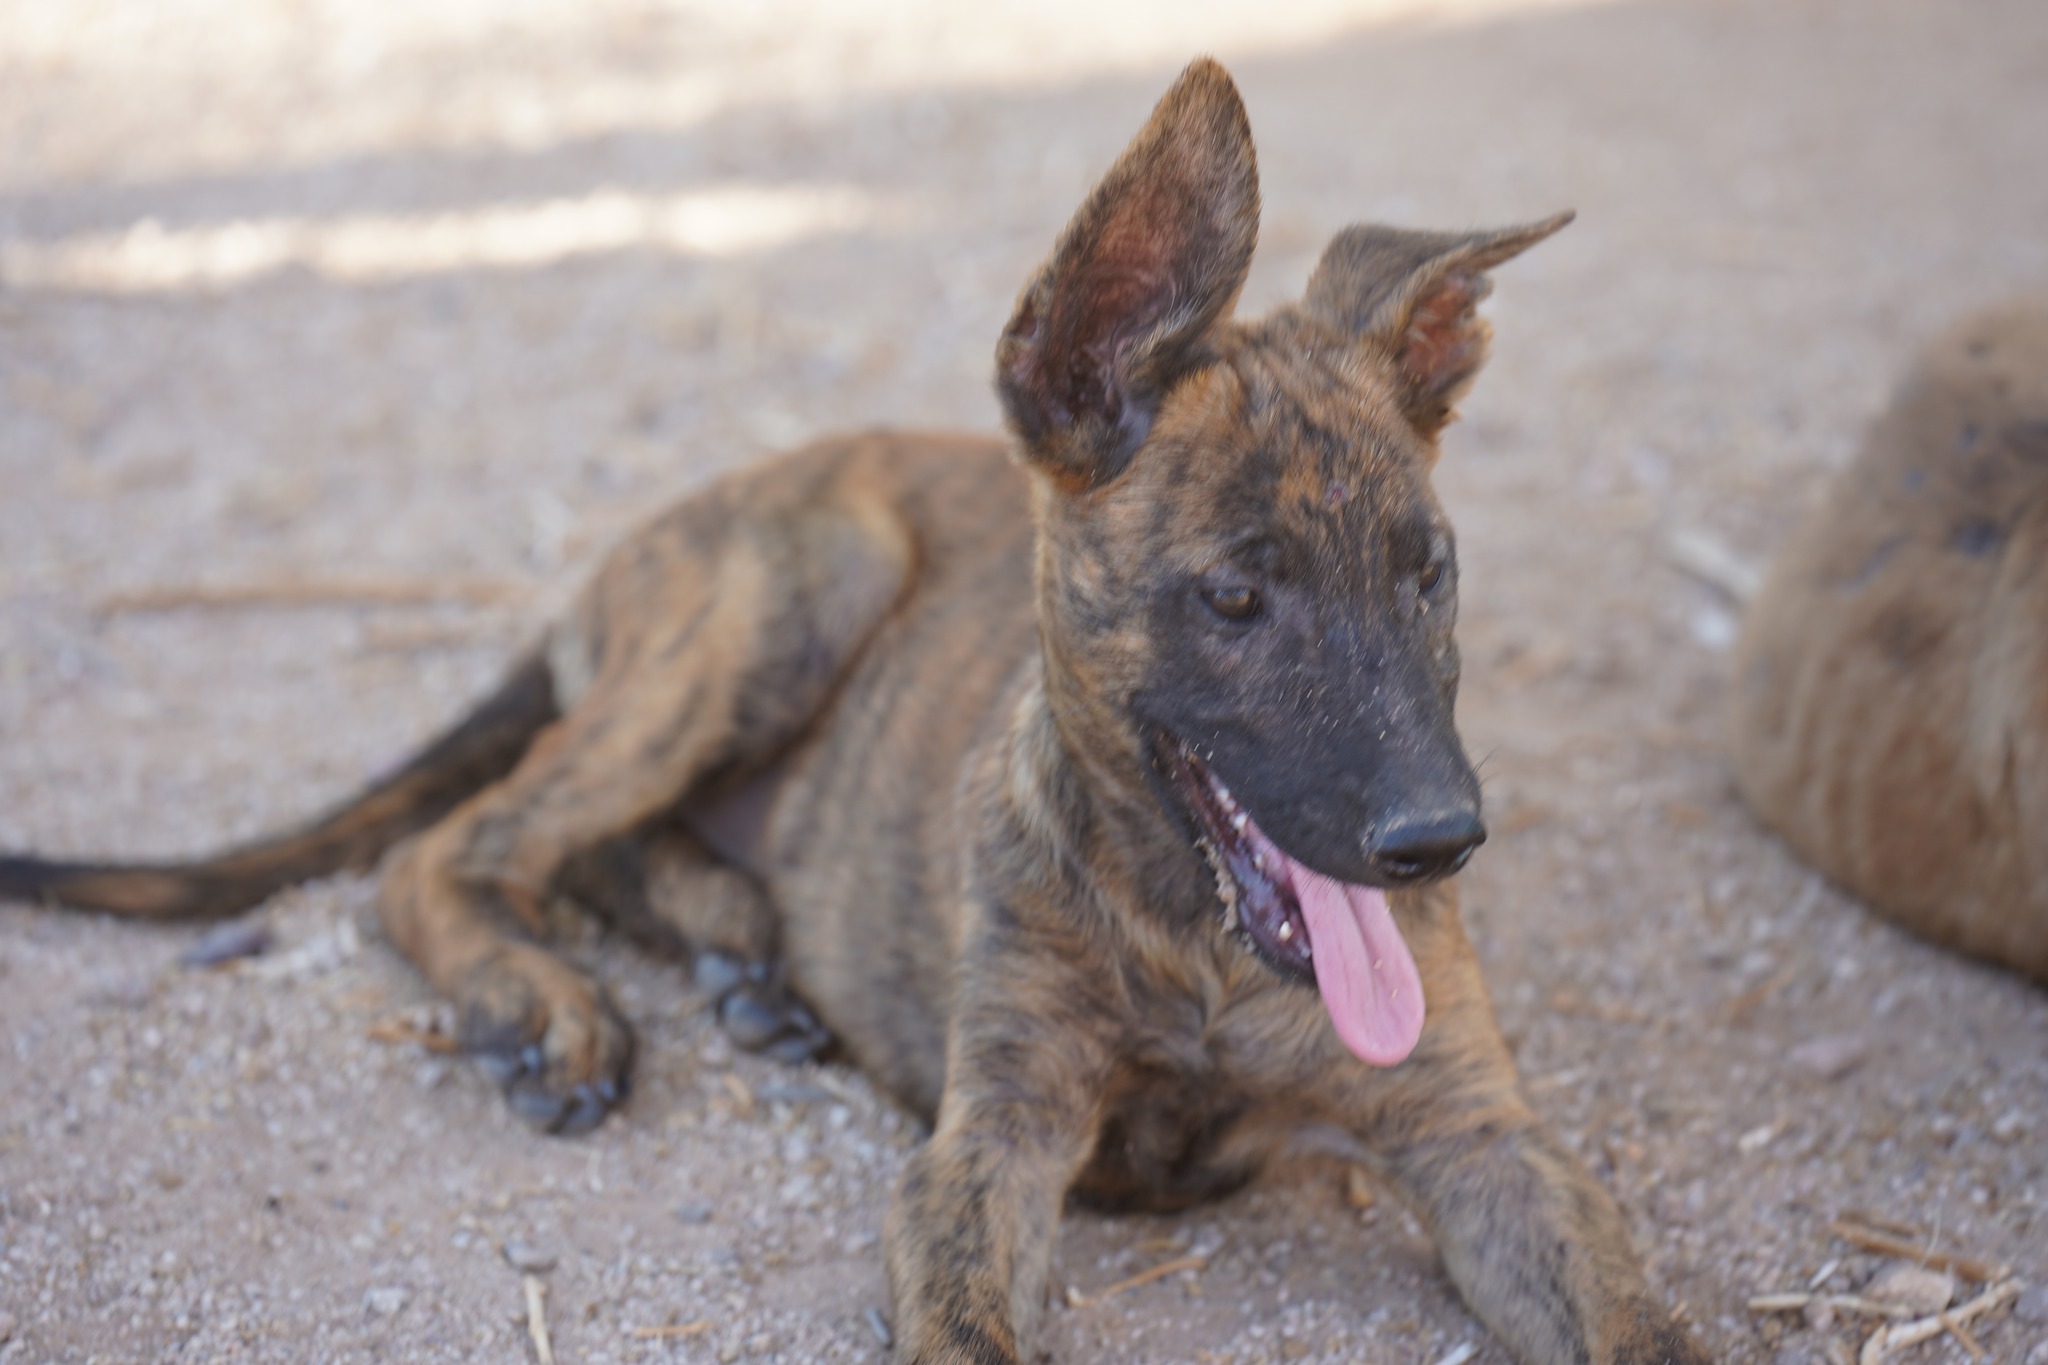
757, 1011
549, 1036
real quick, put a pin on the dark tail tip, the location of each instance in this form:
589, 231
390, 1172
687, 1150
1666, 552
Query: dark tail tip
147, 892
23, 879
478, 750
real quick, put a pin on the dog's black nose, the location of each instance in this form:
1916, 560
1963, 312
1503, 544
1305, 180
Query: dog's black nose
1413, 848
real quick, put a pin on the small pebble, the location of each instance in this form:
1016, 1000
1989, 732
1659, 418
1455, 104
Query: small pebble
693, 1214
2031, 1306
528, 1259
1713, 628
1829, 1057
1911, 1286
795, 1093
225, 943
386, 1301
7, 1327
879, 1325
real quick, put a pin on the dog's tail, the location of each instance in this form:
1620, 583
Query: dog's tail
476, 751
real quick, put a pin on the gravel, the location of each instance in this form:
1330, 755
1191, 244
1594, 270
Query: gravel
325, 294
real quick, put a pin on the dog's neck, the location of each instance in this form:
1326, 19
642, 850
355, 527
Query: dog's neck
1085, 786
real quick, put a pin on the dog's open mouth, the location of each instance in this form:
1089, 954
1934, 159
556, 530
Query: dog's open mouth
1307, 925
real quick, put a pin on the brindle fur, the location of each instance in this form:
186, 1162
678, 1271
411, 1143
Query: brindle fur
1891, 716
889, 710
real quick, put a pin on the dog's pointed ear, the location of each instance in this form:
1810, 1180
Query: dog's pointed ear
1152, 261
1418, 294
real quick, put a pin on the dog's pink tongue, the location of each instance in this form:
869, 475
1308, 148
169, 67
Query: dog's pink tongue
1363, 967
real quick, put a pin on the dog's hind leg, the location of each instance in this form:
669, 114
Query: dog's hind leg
707, 642
672, 894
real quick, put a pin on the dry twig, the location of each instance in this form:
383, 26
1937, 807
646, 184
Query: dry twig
1845, 1303
316, 592
1883, 1224
537, 1320
1713, 563
1863, 1237
672, 1331
392, 1032
1192, 1261
1961, 1333
1739, 1009
399, 637
1887, 1340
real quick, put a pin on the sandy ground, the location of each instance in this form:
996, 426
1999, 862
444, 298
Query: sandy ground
293, 292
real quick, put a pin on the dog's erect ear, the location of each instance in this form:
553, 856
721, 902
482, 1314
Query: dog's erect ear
1418, 293
1153, 259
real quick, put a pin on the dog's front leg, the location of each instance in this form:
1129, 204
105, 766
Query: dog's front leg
1532, 1241
970, 1235
970, 1238
1535, 1246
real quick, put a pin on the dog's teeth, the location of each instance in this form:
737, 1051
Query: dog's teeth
1239, 821
1286, 930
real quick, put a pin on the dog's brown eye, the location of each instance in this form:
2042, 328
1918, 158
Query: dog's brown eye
1433, 569
1235, 603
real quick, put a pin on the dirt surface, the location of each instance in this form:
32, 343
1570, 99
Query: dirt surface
364, 298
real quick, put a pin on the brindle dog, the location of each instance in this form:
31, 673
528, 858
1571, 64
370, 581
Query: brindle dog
1891, 716
1110, 835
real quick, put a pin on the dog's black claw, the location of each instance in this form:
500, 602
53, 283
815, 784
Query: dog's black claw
751, 1021
585, 1110
803, 1037
800, 1047
536, 1107
761, 1016
581, 1110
